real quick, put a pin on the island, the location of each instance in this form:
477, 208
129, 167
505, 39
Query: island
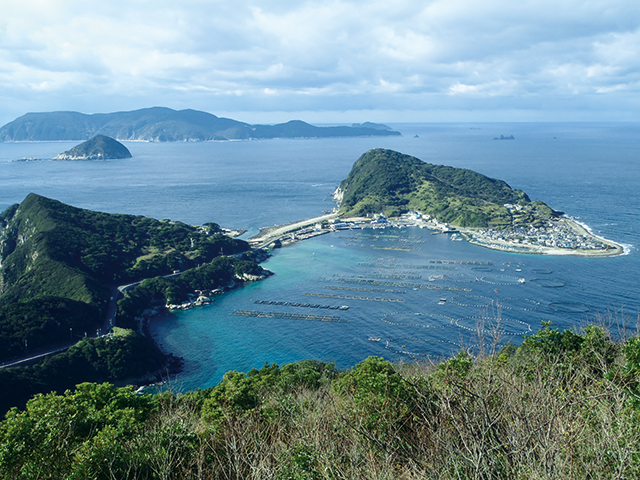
77, 288
386, 188
99, 147
159, 124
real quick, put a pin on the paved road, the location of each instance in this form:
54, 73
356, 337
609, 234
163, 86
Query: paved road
269, 235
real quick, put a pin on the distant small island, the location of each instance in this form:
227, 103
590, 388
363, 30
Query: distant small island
159, 124
502, 137
99, 147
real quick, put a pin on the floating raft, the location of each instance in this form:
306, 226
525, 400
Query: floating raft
289, 316
346, 297
357, 281
410, 267
389, 276
358, 289
303, 305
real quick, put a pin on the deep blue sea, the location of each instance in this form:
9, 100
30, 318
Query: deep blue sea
391, 280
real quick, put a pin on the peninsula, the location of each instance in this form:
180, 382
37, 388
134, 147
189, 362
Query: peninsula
386, 188
159, 124
79, 284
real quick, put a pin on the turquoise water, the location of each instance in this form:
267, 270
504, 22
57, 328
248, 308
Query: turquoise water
587, 170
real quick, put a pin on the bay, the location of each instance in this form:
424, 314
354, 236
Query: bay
590, 171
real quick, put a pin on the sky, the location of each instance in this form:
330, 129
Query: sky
327, 61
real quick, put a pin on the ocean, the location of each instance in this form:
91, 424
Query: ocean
406, 295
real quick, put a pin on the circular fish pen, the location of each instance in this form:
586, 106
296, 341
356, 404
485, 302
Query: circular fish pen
569, 307
421, 320
489, 326
422, 347
502, 280
541, 271
548, 282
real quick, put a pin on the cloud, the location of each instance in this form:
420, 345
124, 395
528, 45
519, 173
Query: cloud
315, 56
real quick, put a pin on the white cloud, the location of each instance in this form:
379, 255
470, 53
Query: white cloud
334, 55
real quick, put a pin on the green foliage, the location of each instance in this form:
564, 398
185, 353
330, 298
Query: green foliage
77, 435
43, 322
57, 261
393, 183
100, 147
239, 394
540, 410
160, 291
99, 359
454, 369
382, 398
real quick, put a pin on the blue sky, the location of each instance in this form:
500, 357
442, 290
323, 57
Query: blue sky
329, 61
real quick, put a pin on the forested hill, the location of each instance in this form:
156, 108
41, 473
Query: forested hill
385, 181
99, 147
159, 124
50, 248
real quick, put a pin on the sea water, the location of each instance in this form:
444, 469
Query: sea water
410, 295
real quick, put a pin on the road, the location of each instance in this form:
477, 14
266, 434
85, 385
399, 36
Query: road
116, 292
271, 234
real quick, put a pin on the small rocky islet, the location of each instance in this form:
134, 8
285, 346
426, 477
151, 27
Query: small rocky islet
99, 147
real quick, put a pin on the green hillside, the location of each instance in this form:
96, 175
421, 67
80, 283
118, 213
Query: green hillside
49, 251
99, 147
385, 181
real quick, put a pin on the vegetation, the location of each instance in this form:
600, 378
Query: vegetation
221, 272
59, 266
121, 356
99, 147
58, 262
384, 181
561, 405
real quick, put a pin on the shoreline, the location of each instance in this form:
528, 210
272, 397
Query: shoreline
287, 234
613, 248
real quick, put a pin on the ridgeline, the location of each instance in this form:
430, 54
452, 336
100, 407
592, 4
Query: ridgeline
385, 181
59, 268
159, 124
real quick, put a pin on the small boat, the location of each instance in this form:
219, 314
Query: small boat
373, 339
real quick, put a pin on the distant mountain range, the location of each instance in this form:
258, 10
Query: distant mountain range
159, 124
